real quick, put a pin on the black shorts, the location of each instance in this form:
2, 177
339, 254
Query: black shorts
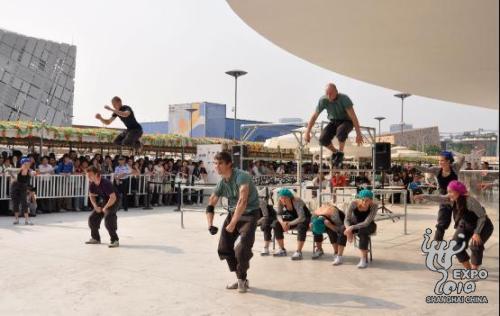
339, 128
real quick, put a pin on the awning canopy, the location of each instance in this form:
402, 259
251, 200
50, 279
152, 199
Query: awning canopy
445, 49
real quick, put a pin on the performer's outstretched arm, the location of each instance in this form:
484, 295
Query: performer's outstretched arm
355, 122
310, 125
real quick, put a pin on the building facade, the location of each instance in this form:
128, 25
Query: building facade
206, 119
36, 79
419, 138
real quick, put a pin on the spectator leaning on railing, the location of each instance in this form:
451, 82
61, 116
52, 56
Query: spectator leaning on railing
65, 167
121, 175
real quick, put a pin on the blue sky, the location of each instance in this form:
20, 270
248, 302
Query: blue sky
154, 53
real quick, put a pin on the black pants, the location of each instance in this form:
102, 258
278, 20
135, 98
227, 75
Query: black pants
238, 258
19, 198
129, 137
123, 190
300, 227
339, 128
443, 222
267, 227
477, 251
364, 235
335, 237
110, 222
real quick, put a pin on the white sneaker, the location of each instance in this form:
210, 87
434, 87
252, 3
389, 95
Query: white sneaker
280, 253
28, 222
317, 254
337, 261
16, 222
297, 255
265, 252
362, 263
243, 286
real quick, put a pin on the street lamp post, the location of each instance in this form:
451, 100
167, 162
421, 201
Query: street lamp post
191, 110
402, 96
235, 74
379, 119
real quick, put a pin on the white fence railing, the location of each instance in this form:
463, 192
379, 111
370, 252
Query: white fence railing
75, 186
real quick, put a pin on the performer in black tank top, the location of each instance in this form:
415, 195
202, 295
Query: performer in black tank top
360, 220
20, 190
292, 213
446, 172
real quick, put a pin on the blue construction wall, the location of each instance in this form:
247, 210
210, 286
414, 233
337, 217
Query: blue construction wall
210, 121
215, 119
155, 127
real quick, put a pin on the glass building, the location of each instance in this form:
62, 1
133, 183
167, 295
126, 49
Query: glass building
36, 79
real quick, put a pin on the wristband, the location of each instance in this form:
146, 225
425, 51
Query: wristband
210, 209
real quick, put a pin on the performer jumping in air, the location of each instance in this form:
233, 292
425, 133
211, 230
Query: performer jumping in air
131, 136
472, 224
237, 186
104, 199
20, 191
446, 172
342, 120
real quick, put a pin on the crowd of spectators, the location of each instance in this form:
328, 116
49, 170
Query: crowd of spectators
168, 171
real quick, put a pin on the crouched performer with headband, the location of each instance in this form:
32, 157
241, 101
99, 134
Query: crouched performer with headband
244, 211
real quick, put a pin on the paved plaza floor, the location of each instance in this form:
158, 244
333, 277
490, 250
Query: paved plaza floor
161, 269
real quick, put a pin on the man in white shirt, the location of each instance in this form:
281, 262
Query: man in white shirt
122, 172
45, 168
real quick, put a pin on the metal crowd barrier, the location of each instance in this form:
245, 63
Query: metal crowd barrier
50, 186
483, 185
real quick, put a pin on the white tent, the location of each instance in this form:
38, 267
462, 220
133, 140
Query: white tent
291, 141
404, 152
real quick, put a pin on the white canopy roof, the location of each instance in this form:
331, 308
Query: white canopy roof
289, 141
445, 49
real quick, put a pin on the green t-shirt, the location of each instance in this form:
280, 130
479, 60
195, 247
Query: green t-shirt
231, 190
337, 109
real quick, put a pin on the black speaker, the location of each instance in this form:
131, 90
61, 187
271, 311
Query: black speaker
382, 156
238, 151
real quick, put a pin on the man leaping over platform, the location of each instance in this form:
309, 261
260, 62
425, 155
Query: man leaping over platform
131, 136
342, 120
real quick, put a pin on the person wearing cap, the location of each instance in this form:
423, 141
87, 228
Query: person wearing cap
330, 219
446, 172
360, 220
472, 224
241, 221
292, 213
19, 194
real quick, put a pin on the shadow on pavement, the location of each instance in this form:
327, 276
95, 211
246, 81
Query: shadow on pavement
328, 299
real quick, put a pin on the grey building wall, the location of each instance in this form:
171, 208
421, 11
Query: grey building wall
36, 79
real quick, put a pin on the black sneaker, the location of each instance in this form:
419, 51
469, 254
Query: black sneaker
334, 158
339, 158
